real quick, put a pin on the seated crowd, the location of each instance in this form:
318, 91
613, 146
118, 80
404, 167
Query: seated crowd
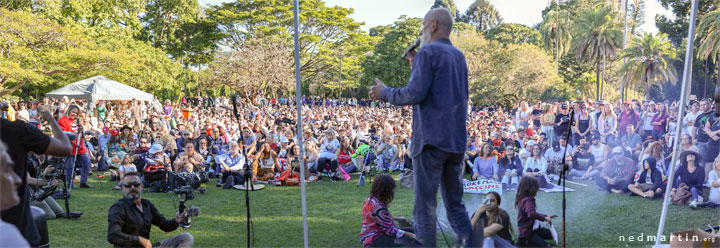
629, 152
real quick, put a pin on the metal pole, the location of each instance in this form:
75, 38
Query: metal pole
622, 83
299, 134
687, 71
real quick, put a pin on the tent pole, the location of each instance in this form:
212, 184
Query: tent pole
299, 130
687, 70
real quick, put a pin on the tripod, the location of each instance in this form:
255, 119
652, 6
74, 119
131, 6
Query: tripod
562, 178
68, 214
247, 173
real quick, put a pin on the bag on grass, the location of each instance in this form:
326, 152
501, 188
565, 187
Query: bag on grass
406, 179
681, 195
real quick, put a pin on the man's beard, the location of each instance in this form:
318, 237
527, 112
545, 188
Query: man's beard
132, 195
424, 39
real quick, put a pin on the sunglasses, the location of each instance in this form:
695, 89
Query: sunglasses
132, 184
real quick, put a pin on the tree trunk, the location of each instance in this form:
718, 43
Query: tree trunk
14, 88
597, 73
602, 86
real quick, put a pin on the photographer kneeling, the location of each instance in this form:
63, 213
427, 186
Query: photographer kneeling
130, 219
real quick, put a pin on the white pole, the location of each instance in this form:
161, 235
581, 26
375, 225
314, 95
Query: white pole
687, 71
299, 134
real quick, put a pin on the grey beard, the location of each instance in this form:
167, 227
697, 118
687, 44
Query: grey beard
424, 39
132, 196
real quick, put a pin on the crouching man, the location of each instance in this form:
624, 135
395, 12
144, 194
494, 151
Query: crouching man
130, 219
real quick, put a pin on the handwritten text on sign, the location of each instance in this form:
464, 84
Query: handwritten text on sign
482, 186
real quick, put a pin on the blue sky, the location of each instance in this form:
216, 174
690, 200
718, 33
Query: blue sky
528, 12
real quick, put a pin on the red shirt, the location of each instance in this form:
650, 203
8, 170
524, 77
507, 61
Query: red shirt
67, 125
344, 157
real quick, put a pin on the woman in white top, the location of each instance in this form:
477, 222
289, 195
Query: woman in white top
522, 116
714, 183
329, 145
607, 124
536, 166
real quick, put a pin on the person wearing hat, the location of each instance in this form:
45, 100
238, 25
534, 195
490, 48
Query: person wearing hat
156, 159
617, 173
691, 174
583, 163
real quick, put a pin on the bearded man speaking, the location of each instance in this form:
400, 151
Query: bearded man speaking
438, 92
130, 219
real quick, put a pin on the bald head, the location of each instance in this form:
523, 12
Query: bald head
442, 18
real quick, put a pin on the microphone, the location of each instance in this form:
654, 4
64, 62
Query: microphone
414, 46
233, 99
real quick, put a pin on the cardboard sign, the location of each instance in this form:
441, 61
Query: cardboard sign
482, 186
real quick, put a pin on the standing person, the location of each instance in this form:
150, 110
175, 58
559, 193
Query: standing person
607, 125
67, 123
699, 136
527, 215
438, 89
647, 119
627, 117
522, 116
20, 139
582, 126
659, 121
536, 115
562, 122
547, 122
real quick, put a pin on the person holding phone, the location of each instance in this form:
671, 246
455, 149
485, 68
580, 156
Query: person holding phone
497, 227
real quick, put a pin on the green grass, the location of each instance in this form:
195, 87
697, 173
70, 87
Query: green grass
595, 219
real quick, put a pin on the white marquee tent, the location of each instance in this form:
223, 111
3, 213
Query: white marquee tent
100, 88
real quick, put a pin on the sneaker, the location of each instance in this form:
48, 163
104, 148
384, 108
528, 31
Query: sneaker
693, 204
117, 187
219, 183
616, 191
700, 199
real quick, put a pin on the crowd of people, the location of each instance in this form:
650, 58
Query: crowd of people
624, 148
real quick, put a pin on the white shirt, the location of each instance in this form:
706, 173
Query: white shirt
10, 236
689, 117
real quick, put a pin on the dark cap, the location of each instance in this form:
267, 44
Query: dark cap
556, 145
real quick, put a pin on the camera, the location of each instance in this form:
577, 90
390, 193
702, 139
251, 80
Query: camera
185, 191
191, 212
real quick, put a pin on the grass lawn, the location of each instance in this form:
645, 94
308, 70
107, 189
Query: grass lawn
595, 219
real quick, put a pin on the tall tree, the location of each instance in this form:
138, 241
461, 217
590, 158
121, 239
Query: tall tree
596, 36
636, 15
262, 65
648, 61
448, 4
324, 31
511, 33
556, 32
709, 31
483, 15
385, 62
676, 26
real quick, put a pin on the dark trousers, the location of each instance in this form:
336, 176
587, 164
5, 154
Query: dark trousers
537, 239
388, 241
435, 168
236, 176
541, 179
619, 184
327, 165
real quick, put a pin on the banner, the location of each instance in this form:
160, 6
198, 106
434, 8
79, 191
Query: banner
482, 186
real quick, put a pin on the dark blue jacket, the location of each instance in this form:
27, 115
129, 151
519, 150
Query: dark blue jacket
438, 91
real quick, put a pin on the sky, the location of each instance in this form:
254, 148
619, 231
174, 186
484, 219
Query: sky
382, 12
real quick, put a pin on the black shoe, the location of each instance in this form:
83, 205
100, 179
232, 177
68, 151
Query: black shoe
228, 183
219, 183
85, 185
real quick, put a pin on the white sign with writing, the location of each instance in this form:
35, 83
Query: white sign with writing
482, 186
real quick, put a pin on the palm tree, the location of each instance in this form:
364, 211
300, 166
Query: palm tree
596, 35
709, 30
555, 30
648, 61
